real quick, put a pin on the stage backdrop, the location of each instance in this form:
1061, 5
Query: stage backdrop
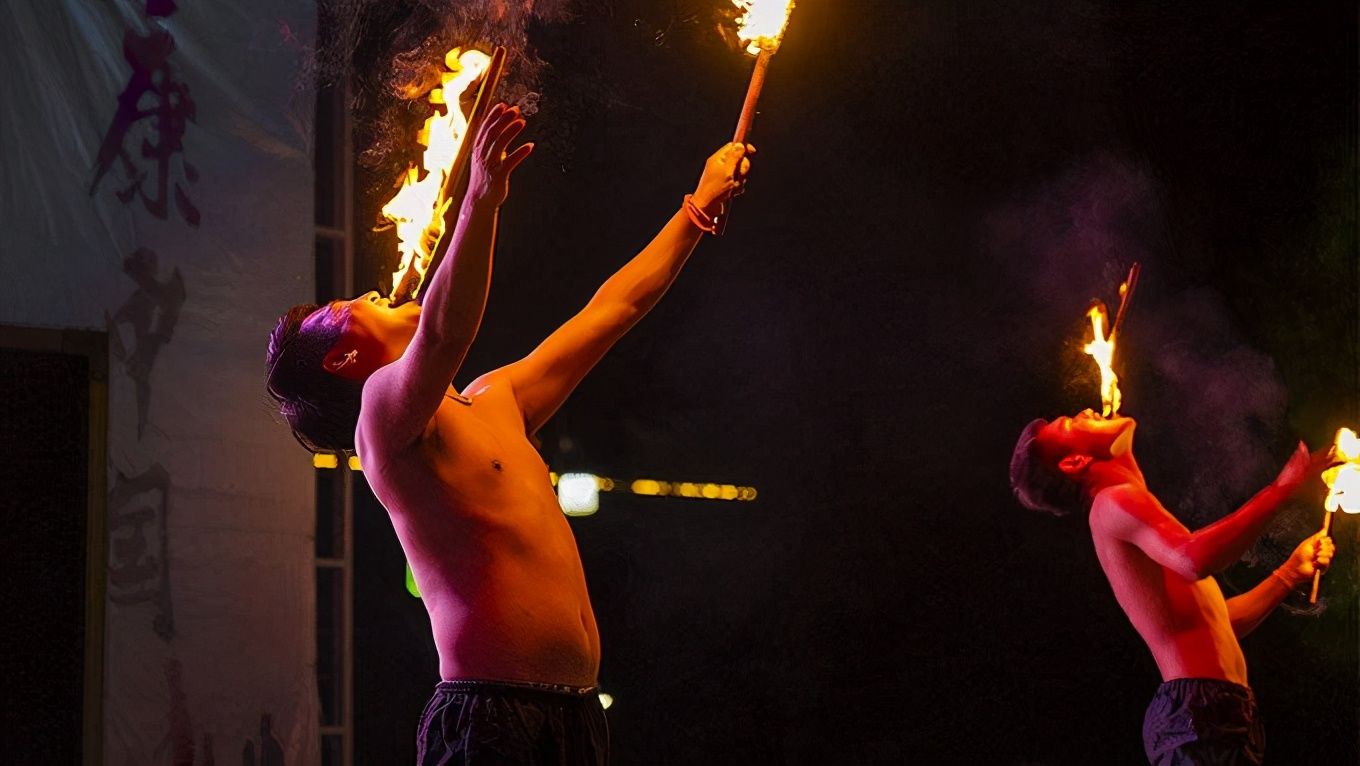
157, 185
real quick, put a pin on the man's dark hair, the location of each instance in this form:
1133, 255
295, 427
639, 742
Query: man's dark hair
321, 408
1039, 486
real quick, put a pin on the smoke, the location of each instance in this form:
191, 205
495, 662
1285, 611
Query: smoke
1211, 408
391, 53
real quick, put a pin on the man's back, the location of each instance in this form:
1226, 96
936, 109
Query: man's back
495, 559
1184, 623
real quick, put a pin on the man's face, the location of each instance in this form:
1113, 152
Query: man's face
370, 326
1086, 434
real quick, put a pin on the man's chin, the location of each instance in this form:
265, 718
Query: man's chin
1123, 440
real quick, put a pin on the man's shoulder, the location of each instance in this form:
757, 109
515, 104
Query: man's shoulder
1121, 504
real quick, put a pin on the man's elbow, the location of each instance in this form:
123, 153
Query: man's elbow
1193, 564
616, 310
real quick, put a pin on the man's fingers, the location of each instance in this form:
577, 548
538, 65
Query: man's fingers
507, 135
488, 125
516, 157
492, 130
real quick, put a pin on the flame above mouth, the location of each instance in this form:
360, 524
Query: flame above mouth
1101, 349
417, 210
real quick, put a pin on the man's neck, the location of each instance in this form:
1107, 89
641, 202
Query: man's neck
1111, 472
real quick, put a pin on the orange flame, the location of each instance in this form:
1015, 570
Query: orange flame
1101, 349
1343, 481
761, 23
417, 209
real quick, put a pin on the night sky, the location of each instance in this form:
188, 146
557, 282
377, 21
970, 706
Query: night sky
941, 188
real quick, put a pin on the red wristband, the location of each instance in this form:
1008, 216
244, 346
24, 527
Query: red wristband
699, 218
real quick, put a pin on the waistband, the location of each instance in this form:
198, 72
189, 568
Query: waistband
480, 686
1181, 684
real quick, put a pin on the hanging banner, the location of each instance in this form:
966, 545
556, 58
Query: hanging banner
158, 187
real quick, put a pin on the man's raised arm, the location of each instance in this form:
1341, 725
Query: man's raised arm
543, 379
1134, 515
404, 395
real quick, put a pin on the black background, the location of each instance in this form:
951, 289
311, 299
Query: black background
940, 189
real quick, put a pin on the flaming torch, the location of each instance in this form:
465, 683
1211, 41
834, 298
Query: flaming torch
1343, 488
1101, 346
417, 211
761, 26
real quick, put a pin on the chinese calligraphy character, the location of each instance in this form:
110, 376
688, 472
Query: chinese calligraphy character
151, 311
138, 567
153, 95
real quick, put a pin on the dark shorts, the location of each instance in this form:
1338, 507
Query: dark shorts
1196, 721
471, 723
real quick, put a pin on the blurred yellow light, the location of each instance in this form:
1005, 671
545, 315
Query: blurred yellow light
689, 489
325, 460
606, 700
354, 463
578, 494
606, 484
646, 487
729, 492
711, 491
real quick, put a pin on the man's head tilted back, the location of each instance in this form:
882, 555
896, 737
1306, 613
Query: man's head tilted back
319, 358
1051, 459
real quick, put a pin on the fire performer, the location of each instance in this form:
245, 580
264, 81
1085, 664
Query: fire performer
1204, 712
468, 495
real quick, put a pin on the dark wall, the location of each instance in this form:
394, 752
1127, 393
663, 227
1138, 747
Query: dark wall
44, 465
941, 187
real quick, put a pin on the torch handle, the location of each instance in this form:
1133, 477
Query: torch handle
1130, 284
748, 116
748, 107
1317, 574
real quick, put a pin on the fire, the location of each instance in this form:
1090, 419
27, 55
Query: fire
417, 209
1343, 481
761, 23
1101, 349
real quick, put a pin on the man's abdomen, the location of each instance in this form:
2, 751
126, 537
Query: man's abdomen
516, 617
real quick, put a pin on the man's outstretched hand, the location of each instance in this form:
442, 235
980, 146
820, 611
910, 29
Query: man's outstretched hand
491, 164
1313, 555
724, 176
1302, 466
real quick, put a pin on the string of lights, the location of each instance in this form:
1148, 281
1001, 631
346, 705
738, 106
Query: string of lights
579, 493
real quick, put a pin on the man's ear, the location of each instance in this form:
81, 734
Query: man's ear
341, 361
1073, 466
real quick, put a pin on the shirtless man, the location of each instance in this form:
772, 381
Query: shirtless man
469, 497
1160, 571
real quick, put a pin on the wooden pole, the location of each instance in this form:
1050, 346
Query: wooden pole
748, 116
1317, 574
1129, 284
748, 107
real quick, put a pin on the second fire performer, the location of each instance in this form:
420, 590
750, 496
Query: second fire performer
1204, 712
